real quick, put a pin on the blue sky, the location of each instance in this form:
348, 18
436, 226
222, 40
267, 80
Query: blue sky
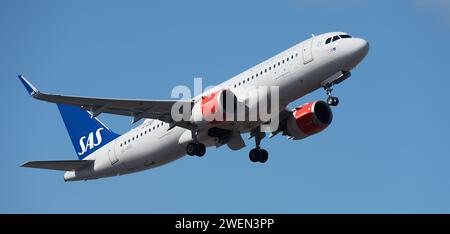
387, 150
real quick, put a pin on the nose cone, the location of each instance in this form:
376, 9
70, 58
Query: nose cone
357, 50
361, 48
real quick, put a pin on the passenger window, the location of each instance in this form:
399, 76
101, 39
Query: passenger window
287, 59
328, 40
335, 38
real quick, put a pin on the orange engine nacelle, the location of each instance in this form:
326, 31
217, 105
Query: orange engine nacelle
213, 108
309, 119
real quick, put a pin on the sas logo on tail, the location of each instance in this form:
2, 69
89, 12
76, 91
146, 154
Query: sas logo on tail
90, 142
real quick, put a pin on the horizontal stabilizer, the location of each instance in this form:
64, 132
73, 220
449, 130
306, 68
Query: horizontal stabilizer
66, 165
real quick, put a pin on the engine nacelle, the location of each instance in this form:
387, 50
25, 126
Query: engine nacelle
309, 119
214, 108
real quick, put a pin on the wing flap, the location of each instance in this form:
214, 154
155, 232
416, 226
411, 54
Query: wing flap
63, 165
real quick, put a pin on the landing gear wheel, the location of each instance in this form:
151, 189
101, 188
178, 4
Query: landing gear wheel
263, 156
330, 101
191, 149
201, 149
253, 155
198, 149
258, 155
333, 101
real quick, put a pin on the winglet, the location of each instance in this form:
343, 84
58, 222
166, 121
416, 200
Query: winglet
28, 86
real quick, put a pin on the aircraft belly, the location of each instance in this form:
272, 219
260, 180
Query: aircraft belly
156, 151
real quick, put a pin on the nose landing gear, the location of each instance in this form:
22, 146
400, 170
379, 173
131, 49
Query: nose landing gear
330, 82
332, 101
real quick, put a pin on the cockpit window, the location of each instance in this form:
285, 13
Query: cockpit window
335, 38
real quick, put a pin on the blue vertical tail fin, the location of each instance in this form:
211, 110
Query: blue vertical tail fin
87, 134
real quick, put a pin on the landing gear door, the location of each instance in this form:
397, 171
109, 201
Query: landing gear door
112, 154
307, 51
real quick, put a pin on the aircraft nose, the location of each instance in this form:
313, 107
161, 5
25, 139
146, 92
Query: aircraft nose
358, 49
361, 48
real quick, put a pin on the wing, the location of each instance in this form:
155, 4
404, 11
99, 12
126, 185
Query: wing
282, 118
68, 165
138, 109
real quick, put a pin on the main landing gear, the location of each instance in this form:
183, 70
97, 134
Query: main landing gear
332, 101
257, 154
195, 148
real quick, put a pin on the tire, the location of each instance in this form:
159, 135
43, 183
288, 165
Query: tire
335, 101
263, 156
191, 149
253, 155
201, 150
330, 101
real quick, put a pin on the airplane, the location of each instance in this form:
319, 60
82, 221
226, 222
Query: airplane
321, 61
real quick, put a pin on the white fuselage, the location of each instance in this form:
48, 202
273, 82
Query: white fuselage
297, 71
